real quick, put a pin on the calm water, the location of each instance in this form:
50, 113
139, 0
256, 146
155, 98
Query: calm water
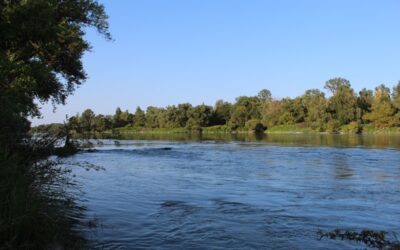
249, 193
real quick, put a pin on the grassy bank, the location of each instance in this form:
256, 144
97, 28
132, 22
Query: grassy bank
148, 130
370, 129
223, 129
290, 129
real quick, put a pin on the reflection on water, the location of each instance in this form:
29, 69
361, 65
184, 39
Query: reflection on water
342, 168
247, 193
336, 140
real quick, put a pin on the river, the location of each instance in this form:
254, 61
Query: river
269, 192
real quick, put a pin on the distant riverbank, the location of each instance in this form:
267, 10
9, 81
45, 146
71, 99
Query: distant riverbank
381, 139
281, 129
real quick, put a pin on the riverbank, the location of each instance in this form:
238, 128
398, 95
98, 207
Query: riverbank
223, 129
36, 212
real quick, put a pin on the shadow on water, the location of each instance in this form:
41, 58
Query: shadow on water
343, 169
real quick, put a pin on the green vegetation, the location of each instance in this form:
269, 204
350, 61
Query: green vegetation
41, 47
295, 128
343, 111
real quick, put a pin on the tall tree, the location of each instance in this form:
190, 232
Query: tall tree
153, 117
222, 112
293, 111
271, 114
101, 123
244, 109
364, 103
41, 47
126, 118
315, 104
266, 100
117, 119
265, 95
87, 120
335, 84
342, 105
383, 111
182, 114
201, 115
75, 124
396, 96
139, 118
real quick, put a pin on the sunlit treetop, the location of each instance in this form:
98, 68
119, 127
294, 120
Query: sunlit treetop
41, 48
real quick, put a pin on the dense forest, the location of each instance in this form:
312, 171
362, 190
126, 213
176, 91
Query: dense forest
343, 110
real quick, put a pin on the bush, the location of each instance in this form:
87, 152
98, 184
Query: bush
193, 126
255, 125
332, 126
351, 128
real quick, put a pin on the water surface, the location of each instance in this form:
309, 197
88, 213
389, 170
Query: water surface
239, 194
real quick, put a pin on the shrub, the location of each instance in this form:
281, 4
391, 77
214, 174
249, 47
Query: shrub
193, 126
351, 128
332, 126
255, 125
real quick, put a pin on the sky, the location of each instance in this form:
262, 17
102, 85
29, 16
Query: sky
166, 52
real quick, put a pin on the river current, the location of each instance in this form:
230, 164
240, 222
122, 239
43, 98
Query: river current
236, 194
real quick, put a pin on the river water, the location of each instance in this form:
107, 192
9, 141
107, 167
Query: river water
239, 193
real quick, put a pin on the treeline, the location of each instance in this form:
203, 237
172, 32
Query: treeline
343, 111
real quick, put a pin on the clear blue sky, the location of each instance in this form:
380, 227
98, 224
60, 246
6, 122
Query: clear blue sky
168, 51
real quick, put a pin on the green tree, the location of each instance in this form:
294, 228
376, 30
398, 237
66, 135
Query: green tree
41, 47
177, 116
201, 115
126, 118
271, 113
87, 120
139, 118
75, 124
170, 119
222, 112
336, 84
162, 118
101, 123
364, 103
193, 125
182, 115
396, 96
265, 104
293, 111
382, 111
315, 104
265, 95
153, 117
244, 109
117, 119
342, 105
